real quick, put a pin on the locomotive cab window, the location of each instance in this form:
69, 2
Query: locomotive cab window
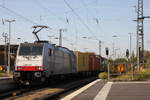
24, 50
31, 50
37, 50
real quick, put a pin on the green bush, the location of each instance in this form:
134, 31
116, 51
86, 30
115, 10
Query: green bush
102, 75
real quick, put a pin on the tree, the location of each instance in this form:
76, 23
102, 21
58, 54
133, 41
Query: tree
133, 58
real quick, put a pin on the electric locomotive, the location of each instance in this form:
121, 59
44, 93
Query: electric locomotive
36, 62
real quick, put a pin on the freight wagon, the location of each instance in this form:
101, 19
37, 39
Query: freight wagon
94, 62
87, 63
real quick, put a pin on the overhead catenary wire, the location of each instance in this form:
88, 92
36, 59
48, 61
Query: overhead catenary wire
17, 14
21, 16
76, 32
48, 10
96, 20
86, 8
52, 13
80, 19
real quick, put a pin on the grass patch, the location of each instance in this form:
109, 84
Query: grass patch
123, 77
142, 75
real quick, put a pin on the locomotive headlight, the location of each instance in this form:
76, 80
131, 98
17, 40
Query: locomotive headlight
38, 67
17, 74
37, 74
19, 67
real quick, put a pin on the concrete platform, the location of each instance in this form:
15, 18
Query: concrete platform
87, 92
91, 92
129, 91
102, 90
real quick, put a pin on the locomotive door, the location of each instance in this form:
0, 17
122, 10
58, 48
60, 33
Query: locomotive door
51, 60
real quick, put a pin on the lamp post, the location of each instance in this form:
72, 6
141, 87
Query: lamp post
116, 49
100, 43
5, 35
100, 47
18, 39
9, 41
130, 43
60, 35
50, 38
114, 36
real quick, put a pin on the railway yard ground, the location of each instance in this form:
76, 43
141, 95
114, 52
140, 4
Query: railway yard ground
10, 91
81, 89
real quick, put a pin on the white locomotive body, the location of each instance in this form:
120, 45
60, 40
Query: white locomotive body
41, 60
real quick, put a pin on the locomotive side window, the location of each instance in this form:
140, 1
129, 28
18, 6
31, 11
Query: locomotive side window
50, 52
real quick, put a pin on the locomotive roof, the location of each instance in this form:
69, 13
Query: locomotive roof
32, 44
64, 49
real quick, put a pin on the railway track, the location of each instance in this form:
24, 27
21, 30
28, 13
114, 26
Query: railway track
69, 87
16, 91
44, 92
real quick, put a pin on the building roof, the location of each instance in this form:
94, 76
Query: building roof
14, 46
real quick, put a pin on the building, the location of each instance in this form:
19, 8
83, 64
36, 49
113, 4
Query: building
147, 56
4, 55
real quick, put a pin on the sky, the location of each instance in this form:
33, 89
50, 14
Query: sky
94, 19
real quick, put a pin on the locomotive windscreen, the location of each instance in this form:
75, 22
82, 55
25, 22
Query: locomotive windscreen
31, 50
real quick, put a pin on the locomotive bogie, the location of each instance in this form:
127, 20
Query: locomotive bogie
29, 77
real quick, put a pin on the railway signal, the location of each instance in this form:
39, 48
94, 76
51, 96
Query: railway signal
107, 52
127, 53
